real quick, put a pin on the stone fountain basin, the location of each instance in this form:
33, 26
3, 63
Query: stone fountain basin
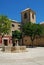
14, 49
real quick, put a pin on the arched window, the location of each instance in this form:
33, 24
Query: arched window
32, 15
25, 15
13, 25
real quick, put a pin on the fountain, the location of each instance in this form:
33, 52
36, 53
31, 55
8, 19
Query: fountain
18, 48
15, 49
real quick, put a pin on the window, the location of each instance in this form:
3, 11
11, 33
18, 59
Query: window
19, 25
29, 16
32, 15
13, 25
25, 15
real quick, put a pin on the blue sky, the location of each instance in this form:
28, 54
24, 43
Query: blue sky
13, 8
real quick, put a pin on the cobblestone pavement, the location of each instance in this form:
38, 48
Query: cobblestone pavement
33, 56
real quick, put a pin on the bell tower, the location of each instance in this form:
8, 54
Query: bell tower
28, 15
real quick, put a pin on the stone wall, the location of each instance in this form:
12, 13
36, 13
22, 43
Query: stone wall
40, 41
37, 42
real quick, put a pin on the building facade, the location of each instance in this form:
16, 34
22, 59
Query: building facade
6, 40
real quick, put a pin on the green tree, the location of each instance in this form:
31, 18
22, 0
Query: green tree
42, 25
32, 30
5, 25
16, 35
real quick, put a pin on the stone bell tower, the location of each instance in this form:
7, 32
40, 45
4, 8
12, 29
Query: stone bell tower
28, 15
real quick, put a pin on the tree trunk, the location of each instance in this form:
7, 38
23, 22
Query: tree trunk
22, 40
32, 43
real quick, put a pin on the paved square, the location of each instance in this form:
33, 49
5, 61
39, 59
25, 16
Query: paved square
33, 56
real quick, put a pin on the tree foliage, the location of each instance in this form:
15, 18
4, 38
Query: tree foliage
42, 25
16, 34
32, 30
5, 25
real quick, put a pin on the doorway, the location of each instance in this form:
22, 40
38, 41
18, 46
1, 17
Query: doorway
5, 42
